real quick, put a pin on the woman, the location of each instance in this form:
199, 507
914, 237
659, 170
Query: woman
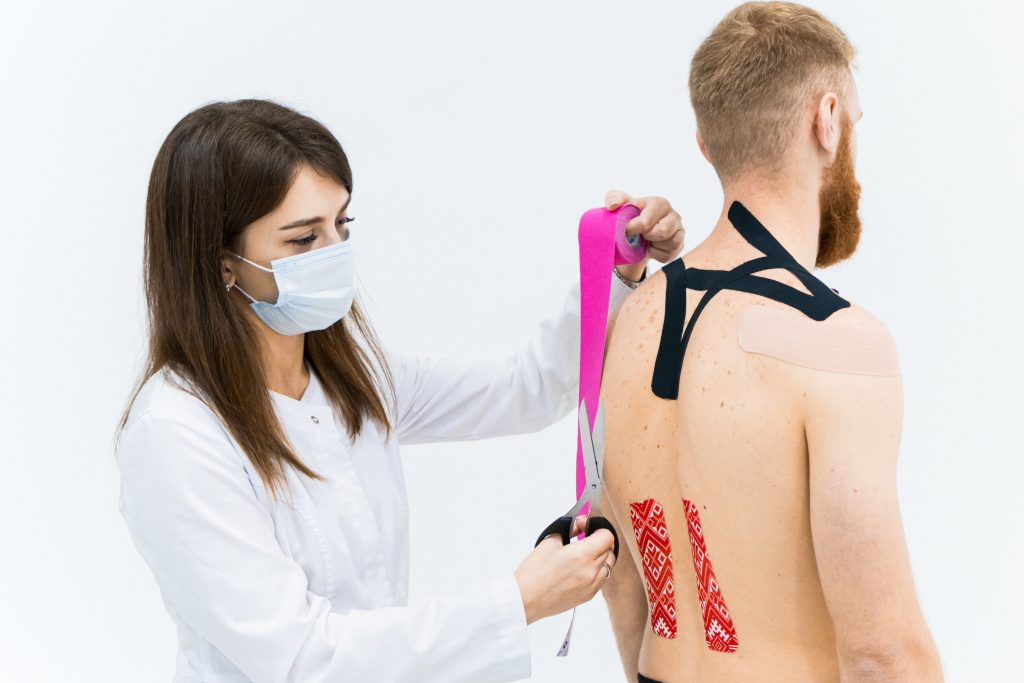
260, 473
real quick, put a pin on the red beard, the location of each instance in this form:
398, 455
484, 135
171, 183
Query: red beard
839, 200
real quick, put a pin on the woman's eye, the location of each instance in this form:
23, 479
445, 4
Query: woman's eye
304, 240
342, 221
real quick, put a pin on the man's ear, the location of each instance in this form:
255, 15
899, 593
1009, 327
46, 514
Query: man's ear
827, 127
703, 149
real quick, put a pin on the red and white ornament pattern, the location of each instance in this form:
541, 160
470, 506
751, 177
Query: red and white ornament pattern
652, 539
719, 632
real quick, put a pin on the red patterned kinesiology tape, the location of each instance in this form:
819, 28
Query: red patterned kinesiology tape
652, 539
719, 633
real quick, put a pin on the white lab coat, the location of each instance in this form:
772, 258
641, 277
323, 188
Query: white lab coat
317, 589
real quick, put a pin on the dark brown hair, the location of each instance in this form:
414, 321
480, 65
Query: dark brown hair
751, 77
222, 167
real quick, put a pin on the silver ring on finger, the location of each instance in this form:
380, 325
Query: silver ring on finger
608, 571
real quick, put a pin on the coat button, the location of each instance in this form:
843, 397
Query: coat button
314, 419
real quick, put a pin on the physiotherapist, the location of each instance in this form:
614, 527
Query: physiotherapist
260, 472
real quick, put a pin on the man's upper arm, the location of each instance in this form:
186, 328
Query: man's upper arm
853, 425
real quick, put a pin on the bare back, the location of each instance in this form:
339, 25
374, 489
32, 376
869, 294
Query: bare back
715, 486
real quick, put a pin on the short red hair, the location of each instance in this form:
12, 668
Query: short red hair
750, 81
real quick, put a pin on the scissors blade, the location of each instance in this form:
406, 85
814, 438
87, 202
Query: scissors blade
575, 509
597, 441
591, 465
586, 437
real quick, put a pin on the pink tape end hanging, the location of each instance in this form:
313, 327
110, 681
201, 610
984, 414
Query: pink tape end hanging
603, 245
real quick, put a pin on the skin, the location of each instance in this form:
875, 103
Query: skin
311, 196
793, 470
552, 578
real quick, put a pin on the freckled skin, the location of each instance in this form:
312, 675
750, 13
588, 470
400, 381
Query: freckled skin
734, 444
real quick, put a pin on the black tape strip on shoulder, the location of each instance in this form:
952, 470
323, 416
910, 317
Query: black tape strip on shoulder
820, 303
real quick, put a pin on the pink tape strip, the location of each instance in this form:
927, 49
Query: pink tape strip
603, 245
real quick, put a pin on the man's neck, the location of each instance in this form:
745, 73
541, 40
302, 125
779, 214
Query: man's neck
790, 212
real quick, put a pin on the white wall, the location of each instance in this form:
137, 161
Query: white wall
478, 133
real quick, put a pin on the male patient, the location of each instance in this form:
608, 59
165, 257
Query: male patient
751, 455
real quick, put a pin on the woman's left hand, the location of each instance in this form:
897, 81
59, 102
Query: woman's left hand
658, 223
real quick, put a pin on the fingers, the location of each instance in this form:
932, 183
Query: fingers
607, 558
666, 250
658, 222
661, 255
596, 544
613, 199
652, 211
666, 238
551, 542
668, 230
554, 540
602, 570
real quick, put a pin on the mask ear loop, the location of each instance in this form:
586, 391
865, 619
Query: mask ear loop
247, 295
256, 265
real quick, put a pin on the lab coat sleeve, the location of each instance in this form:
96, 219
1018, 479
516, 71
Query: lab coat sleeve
452, 399
194, 516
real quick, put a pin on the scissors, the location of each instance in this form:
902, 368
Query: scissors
593, 465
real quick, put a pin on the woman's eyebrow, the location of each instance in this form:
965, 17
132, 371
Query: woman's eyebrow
315, 219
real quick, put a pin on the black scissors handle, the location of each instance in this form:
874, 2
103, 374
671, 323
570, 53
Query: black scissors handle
563, 528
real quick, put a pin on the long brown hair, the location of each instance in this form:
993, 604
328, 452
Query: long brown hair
222, 167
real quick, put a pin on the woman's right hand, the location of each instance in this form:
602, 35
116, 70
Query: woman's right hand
555, 578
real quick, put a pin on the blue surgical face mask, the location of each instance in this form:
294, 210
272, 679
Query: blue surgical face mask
314, 289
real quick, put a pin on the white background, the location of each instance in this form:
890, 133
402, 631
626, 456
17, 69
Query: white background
478, 132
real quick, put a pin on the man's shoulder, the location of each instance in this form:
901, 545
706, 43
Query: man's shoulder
851, 341
642, 310
856, 315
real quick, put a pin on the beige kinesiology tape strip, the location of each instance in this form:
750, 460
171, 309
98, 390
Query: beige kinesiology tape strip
790, 336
